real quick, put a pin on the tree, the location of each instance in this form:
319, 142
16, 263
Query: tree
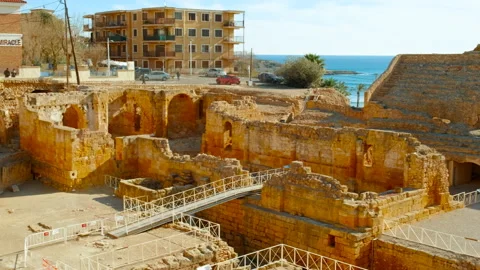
315, 59
339, 86
360, 88
95, 53
301, 73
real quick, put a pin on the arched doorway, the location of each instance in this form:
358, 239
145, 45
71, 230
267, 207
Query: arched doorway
227, 136
74, 117
181, 117
465, 173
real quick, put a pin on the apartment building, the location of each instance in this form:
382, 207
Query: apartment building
171, 39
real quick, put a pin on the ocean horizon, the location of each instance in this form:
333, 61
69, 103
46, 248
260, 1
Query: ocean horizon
369, 68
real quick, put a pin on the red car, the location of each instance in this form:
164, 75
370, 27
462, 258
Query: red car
228, 79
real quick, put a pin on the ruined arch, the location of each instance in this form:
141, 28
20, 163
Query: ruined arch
181, 117
74, 117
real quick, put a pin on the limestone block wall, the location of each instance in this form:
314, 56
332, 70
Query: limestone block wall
69, 157
392, 253
364, 160
249, 227
15, 169
132, 112
150, 157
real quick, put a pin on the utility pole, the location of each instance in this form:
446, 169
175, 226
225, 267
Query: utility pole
71, 42
67, 57
108, 56
191, 70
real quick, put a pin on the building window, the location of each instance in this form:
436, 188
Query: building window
193, 64
192, 48
192, 16
218, 17
123, 33
178, 64
218, 64
144, 16
205, 17
135, 49
178, 32
205, 64
192, 32
145, 64
135, 63
123, 17
205, 48
124, 48
135, 33
218, 48
134, 16
218, 33
178, 48
205, 32
178, 15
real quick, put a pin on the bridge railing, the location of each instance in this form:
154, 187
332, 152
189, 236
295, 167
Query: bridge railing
468, 198
213, 191
284, 255
211, 229
455, 243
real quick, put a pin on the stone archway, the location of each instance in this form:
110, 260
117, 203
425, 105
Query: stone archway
74, 117
465, 173
181, 117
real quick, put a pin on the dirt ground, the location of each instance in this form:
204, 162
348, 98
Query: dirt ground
57, 209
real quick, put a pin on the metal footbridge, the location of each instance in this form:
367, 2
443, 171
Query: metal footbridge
141, 216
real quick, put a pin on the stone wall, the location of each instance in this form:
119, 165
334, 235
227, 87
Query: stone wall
391, 253
364, 160
15, 168
68, 157
150, 157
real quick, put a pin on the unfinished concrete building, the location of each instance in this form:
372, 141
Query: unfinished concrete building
345, 172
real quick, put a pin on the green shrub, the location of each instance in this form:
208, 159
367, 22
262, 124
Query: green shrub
301, 73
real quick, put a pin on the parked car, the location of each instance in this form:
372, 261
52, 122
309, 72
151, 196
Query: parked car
141, 71
157, 75
228, 79
268, 77
215, 72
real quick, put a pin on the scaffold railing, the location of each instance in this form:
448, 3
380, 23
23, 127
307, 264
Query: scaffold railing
189, 199
211, 229
284, 255
455, 243
155, 249
134, 203
468, 198
62, 234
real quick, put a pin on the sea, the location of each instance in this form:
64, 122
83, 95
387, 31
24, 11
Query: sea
369, 67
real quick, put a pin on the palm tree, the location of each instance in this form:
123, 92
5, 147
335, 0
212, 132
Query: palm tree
315, 59
360, 88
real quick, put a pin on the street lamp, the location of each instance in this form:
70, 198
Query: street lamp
190, 63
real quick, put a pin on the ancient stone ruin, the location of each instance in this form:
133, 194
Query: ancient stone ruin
347, 170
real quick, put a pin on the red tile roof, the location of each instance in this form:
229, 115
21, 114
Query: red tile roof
14, 1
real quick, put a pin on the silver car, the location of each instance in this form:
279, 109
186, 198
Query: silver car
215, 72
157, 75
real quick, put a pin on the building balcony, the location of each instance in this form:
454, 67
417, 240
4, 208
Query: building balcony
233, 40
159, 38
110, 24
87, 28
234, 24
116, 38
232, 56
166, 54
159, 21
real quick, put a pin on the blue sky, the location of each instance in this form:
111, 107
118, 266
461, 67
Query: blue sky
332, 27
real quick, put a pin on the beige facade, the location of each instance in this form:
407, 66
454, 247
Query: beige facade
161, 38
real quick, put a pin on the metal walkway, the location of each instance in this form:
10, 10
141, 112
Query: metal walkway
142, 217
